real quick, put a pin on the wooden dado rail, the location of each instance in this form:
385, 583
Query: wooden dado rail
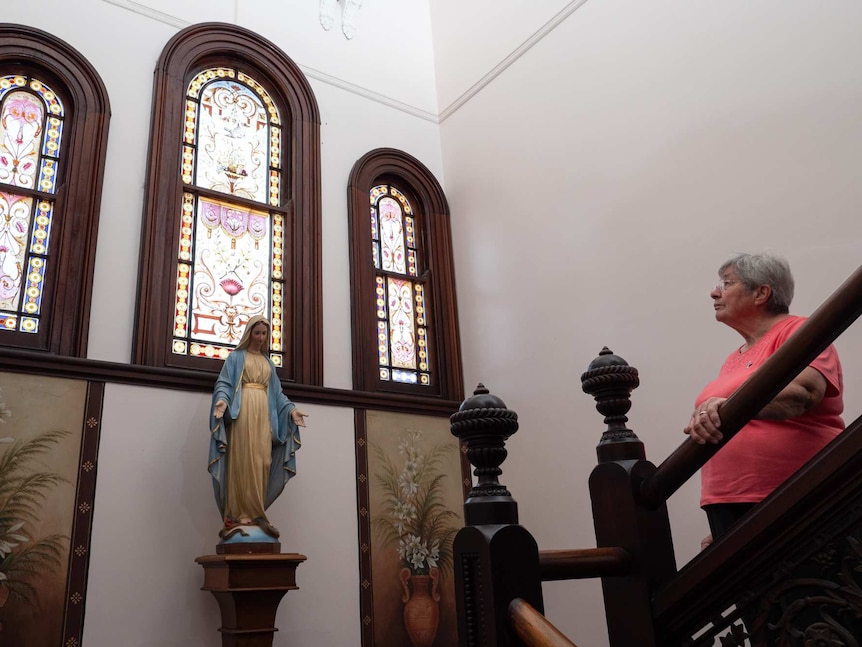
815, 519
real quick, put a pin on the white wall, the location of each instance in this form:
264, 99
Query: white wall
155, 513
390, 55
472, 39
597, 184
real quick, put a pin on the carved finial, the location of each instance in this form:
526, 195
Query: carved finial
610, 380
484, 423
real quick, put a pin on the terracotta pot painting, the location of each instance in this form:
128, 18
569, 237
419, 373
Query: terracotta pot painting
42, 428
415, 497
421, 606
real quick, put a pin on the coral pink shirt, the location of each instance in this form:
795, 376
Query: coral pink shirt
765, 452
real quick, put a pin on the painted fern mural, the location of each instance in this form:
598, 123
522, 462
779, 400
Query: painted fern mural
33, 549
23, 488
49, 431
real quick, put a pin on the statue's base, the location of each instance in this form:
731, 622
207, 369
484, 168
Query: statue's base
248, 588
249, 548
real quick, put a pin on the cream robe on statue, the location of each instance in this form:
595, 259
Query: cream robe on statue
253, 447
250, 443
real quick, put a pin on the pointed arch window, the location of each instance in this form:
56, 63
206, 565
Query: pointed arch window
53, 125
242, 216
405, 330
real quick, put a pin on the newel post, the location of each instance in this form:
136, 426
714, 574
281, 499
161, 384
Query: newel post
618, 517
496, 560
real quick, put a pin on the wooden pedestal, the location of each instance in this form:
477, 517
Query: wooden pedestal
248, 589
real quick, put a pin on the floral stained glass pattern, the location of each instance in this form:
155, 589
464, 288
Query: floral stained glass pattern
392, 235
232, 137
230, 256
402, 335
31, 126
228, 281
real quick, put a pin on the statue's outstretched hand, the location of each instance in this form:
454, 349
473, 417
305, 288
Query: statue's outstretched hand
298, 417
219, 409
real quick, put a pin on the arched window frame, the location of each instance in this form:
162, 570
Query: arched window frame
192, 50
433, 229
67, 283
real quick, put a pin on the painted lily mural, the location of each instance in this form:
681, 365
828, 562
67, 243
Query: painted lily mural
416, 522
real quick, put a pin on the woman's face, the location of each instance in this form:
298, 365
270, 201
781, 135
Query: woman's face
258, 337
731, 299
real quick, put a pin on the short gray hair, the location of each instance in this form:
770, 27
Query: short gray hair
765, 269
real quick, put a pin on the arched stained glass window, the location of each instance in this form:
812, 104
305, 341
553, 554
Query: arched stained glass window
54, 115
402, 328
231, 253
31, 127
235, 230
404, 318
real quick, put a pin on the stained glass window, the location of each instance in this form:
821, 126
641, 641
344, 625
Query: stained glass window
402, 334
404, 319
31, 129
231, 247
234, 229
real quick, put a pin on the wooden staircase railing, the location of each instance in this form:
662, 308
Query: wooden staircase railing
533, 628
584, 563
795, 555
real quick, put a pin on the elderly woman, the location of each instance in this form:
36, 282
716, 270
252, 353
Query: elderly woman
753, 297
255, 434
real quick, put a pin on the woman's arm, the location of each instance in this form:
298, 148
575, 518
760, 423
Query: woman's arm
802, 394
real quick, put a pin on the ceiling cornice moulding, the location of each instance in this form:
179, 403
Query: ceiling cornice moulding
382, 99
503, 65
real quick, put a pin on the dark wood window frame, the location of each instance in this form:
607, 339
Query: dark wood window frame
65, 318
405, 172
194, 49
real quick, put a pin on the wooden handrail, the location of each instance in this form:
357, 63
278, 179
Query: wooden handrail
583, 563
715, 576
831, 319
533, 628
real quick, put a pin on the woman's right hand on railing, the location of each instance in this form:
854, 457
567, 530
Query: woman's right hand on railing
704, 425
706, 542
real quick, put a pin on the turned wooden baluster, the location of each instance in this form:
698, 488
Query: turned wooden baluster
610, 380
484, 424
496, 560
620, 521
